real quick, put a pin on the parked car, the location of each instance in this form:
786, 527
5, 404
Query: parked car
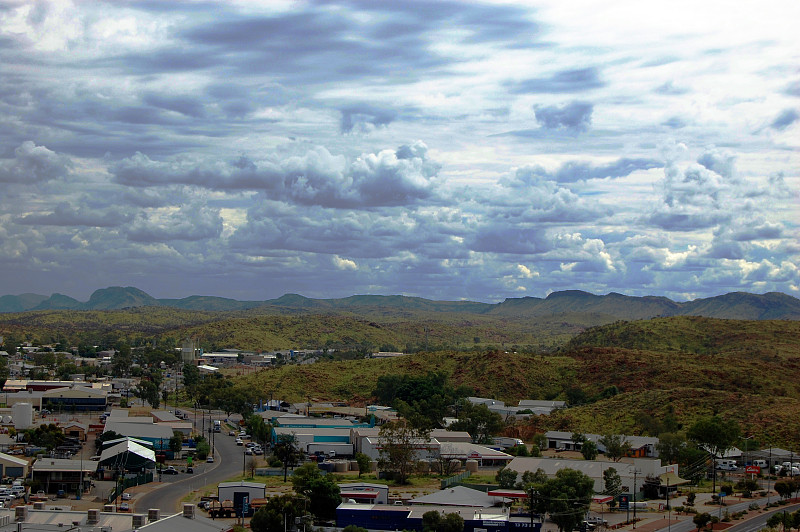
126, 496
232, 433
248, 451
169, 471
239, 441
210, 459
124, 507
189, 470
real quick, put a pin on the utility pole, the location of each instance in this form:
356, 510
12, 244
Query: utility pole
635, 472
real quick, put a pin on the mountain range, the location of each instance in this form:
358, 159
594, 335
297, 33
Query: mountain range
734, 305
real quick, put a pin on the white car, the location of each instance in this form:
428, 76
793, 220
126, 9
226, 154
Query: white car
239, 441
126, 496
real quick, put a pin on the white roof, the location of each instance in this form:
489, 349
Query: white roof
457, 496
128, 445
13, 459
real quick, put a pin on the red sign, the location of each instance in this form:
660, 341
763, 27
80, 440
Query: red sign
753, 469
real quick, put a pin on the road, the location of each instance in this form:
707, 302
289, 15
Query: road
168, 494
760, 521
751, 525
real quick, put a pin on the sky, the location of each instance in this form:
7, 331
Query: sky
442, 149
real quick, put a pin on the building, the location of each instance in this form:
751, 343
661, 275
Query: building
395, 517
632, 471
364, 493
239, 492
11, 466
640, 446
54, 474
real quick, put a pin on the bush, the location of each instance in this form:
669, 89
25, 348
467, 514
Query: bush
754, 506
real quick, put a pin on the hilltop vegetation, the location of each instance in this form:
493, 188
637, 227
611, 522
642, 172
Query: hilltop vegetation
619, 376
746, 374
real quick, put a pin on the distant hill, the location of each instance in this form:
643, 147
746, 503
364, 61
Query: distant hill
610, 307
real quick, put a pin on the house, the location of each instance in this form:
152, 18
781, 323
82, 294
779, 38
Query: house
640, 446
55, 474
75, 429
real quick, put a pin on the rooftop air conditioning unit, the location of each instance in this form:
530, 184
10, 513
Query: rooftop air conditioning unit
188, 511
153, 514
91, 516
139, 520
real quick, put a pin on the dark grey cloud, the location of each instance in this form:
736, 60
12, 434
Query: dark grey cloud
565, 81
183, 104
722, 162
686, 221
793, 89
675, 123
191, 223
573, 171
65, 214
33, 164
574, 116
363, 116
786, 118
316, 178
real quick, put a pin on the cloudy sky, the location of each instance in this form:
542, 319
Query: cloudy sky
443, 149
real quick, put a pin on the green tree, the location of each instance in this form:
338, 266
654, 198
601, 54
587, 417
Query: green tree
433, 521
716, 436
148, 391
191, 379
321, 490
617, 446
47, 436
506, 478
364, 463
104, 437
701, 520
258, 429
565, 498
589, 450
277, 515
669, 446
612, 482
286, 451
398, 453
202, 448
480, 422
176, 442
784, 488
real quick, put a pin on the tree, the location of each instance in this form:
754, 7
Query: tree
277, 514
480, 422
257, 428
202, 448
617, 446
565, 497
322, 492
612, 483
433, 521
104, 437
47, 436
364, 462
669, 446
506, 478
784, 488
176, 442
716, 436
701, 520
286, 451
589, 450
191, 379
398, 453
148, 391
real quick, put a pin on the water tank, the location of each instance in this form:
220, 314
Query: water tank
341, 467
472, 466
23, 415
353, 465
